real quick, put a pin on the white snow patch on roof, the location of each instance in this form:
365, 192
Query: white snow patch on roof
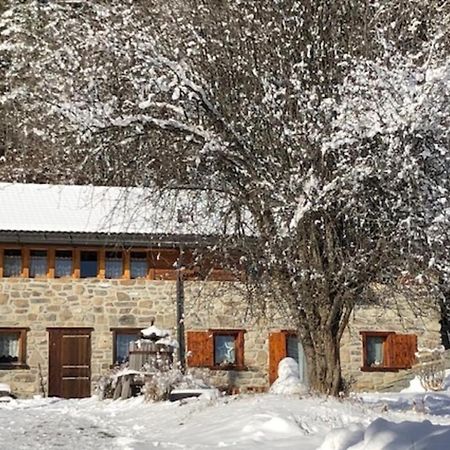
99, 209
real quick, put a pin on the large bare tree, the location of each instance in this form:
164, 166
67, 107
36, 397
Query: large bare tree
323, 126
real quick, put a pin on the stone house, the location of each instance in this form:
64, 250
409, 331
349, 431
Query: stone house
83, 269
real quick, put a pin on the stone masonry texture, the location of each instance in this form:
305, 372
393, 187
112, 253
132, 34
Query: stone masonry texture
105, 304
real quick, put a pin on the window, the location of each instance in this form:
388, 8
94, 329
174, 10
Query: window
12, 263
216, 349
12, 347
121, 341
292, 346
38, 263
88, 264
139, 267
63, 263
375, 351
224, 349
113, 264
387, 351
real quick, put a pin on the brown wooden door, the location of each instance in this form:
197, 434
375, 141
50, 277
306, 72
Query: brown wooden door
69, 372
277, 351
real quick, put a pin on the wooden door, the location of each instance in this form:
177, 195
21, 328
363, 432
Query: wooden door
281, 345
69, 372
277, 351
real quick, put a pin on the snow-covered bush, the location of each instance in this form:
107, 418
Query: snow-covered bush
158, 386
430, 368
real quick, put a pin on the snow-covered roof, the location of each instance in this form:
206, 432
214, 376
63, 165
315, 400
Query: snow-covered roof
95, 209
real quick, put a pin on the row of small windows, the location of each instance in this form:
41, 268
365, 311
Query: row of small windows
38, 263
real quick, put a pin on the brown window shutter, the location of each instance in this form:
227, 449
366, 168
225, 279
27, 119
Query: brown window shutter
277, 351
201, 349
400, 350
240, 349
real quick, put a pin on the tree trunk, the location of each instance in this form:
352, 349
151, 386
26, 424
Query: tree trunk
323, 361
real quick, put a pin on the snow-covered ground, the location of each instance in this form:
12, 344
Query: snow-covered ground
265, 421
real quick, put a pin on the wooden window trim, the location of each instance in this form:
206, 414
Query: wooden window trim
21, 364
101, 263
126, 257
25, 262
368, 334
51, 262
200, 346
239, 349
76, 272
154, 272
388, 348
116, 331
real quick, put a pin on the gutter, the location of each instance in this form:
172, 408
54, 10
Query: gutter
106, 239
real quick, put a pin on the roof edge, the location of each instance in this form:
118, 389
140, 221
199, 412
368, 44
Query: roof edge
104, 239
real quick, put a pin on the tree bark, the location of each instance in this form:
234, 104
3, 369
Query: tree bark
322, 353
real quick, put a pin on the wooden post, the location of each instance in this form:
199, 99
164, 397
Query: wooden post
101, 264
51, 263
25, 262
1, 262
151, 269
76, 263
127, 264
180, 313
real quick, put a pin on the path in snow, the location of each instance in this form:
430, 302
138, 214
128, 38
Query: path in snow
44, 425
243, 422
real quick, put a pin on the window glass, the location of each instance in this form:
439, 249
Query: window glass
138, 263
88, 264
292, 347
38, 263
12, 263
122, 344
9, 347
224, 349
63, 263
375, 354
113, 264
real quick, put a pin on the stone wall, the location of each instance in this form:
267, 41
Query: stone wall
106, 304
409, 313
100, 304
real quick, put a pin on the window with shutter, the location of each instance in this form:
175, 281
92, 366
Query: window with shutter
388, 351
216, 349
200, 349
401, 350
